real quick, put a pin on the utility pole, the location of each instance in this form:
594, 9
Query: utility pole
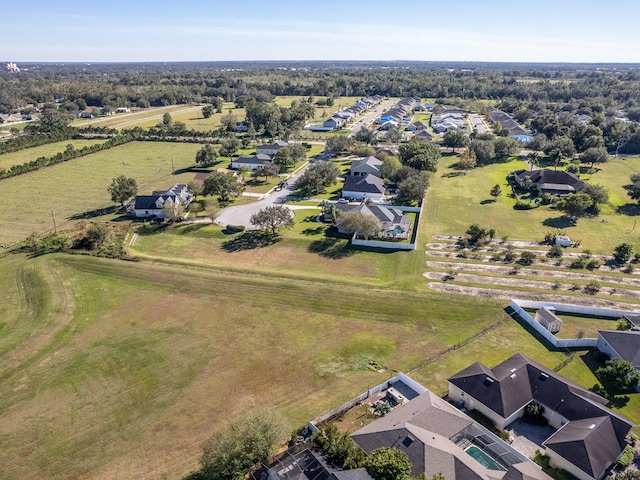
173, 169
55, 229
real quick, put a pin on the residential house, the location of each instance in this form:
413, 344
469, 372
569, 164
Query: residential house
415, 126
589, 436
122, 110
145, 206
563, 240
307, 465
441, 440
333, 122
556, 182
365, 166
85, 114
252, 161
508, 123
393, 223
359, 188
271, 148
426, 134
624, 345
10, 118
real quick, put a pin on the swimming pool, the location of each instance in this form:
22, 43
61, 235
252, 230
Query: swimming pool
484, 459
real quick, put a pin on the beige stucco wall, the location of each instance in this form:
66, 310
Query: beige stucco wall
471, 403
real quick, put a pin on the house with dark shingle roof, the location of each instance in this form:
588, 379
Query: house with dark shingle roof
359, 188
438, 438
620, 344
502, 393
151, 205
252, 161
556, 182
271, 148
365, 166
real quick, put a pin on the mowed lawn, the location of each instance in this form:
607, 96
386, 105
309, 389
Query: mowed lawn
120, 370
7, 160
144, 117
80, 185
454, 201
302, 252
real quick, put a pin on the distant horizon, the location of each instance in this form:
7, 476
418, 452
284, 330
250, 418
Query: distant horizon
571, 31
308, 61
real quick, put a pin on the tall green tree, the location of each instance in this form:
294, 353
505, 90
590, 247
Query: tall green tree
595, 155
224, 185
619, 374
356, 222
455, 139
365, 135
242, 443
229, 146
420, 154
622, 253
207, 111
413, 187
386, 463
206, 156
575, 205
273, 218
122, 189
495, 192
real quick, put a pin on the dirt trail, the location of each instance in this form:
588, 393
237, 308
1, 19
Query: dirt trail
509, 294
506, 270
518, 281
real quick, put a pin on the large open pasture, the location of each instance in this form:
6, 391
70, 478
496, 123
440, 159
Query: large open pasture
80, 185
120, 370
7, 160
145, 117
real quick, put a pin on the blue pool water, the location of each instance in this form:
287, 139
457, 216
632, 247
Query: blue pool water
484, 459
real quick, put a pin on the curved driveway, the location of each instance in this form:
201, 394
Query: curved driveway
241, 214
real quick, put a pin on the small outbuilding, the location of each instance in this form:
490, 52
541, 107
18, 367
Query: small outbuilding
563, 241
548, 319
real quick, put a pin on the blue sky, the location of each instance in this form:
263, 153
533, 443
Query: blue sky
462, 30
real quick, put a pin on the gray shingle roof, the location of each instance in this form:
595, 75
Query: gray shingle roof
508, 387
552, 179
368, 184
626, 344
590, 444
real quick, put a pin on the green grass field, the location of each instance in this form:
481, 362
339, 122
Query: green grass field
454, 201
7, 160
122, 370
113, 369
144, 117
80, 185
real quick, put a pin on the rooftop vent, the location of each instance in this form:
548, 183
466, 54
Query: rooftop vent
488, 382
407, 441
513, 375
513, 370
543, 377
592, 426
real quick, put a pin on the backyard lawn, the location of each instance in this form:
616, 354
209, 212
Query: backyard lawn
455, 200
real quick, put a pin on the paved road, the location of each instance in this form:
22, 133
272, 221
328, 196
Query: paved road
373, 115
241, 215
478, 123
